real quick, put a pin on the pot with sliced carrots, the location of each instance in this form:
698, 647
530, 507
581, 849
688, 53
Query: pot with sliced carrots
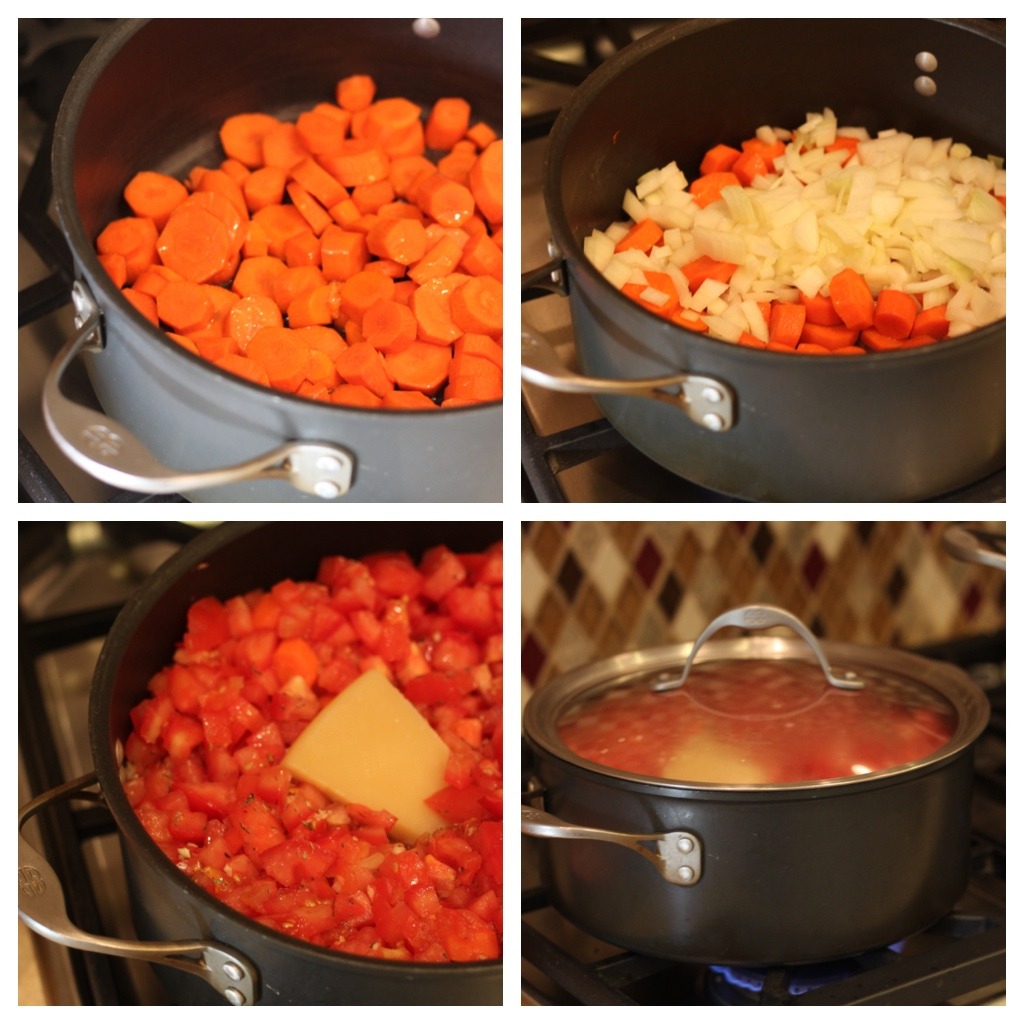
844, 201
289, 267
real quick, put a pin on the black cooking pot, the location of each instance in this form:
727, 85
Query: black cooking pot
753, 873
201, 946
152, 95
760, 425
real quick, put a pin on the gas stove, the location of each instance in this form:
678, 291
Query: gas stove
570, 452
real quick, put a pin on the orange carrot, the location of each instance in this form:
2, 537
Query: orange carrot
932, 321
407, 400
257, 274
282, 146
342, 253
144, 303
473, 377
852, 299
719, 158
690, 320
895, 312
195, 243
479, 345
703, 267
370, 198
321, 185
843, 142
827, 336
116, 266
480, 255
184, 306
419, 366
248, 315
786, 323
302, 250
707, 189
389, 326
643, 235
312, 307
919, 340
447, 122
362, 290
441, 259
282, 353
154, 195
444, 200
320, 133
749, 340
293, 281
242, 366
222, 183
876, 341
358, 162
404, 240
431, 305
322, 339
768, 151
485, 182
476, 305
235, 170
481, 135
134, 238
355, 395
819, 310
242, 136
355, 92
312, 212
749, 166
264, 187
281, 222
362, 364
390, 122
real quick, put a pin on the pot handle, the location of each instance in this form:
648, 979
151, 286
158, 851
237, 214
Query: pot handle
758, 616
676, 855
705, 400
41, 907
109, 452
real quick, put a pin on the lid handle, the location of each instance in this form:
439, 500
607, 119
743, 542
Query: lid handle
758, 616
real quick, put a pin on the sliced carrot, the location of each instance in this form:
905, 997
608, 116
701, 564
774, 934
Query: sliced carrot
704, 267
223, 184
447, 122
849, 350
322, 339
256, 275
485, 182
768, 151
293, 281
154, 195
480, 255
342, 253
431, 305
281, 222
282, 353
195, 242
257, 241
786, 323
749, 340
302, 250
479, 345
184, 306
819, 310
360, 291
318, 182
405, 172
402, 240
321, 368
481, 134
135, 239
643, 235
320, 133
356, 92
458, 163
312, 308
312, 212
242, 366
475, 378
250, 314
749, 166
154, 279
184, 341
144, 303
389, 326
876, 341
812, 349
213, 345
264, 187
719, 158
919, 341
390, 121
852, 299
444, 200
828, 336
441, 259
707, 189
282, 147
116, 267
370, 198
235, 170
242, 136
895, 312
408, 400
355, 395
932, 321
358, 162
419, 366
362, 364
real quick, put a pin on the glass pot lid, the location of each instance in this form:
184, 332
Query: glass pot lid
743, 721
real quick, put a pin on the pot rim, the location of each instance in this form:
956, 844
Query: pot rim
130, 829
546, 706
65, 132
571, 248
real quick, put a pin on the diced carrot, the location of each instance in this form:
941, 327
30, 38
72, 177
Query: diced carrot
749, 166
447, 122
184, 306
360, 291
473, 377
703, 267
154, 195
256, 275
749, 340
321, 368
419, 366
355, 395
213, 345
312, 212
144, 303
135, 239
441, 259
264, 187
282, 353
358, 162
458, 163
116, 266
372, 197
481, 256
485, 182
242, 366
932, 321
820, 310
223, 184
406, 171
319, 133
242, 137
282, 146
408, 400
895, 312
768, 151
235, 170
444, 200
293, 281
786, 323
311, 308
643, 235
362, 364
389, 326
390, 122
281, 222
828, 336
719, 158
355, 92
302, 250
876, 341
707, 189
249, 314
404, 241
342, 253
481, 134
476, 305
852, 299
318, 182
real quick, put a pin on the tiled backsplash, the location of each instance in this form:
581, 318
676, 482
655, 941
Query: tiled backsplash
593, 589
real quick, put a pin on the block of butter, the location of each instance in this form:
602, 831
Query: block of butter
371, 746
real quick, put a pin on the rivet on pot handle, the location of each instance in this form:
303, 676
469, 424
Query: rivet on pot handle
676, 855
105, 449
758, 616
41, 907
706, 401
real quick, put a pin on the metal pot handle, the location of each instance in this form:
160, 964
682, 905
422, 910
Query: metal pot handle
41, 907
108, 451
676, 855
705, 400
758, 616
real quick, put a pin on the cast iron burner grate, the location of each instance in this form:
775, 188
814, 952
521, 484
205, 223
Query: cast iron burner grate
588, 460
49, 51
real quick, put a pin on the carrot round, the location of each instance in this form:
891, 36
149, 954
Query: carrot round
133, 238
431, 305
485, 182
195, 243
447, 122
932, 322
242, 137
154, 195
355, 92
403, 240
444, 200
282, 353
851, 297
389, 326
249, 315
419, 366
362, 364
184, 306
895, 312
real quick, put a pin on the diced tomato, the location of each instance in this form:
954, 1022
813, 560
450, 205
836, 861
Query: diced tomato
207, 625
